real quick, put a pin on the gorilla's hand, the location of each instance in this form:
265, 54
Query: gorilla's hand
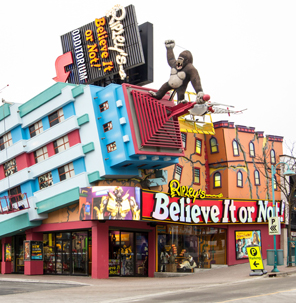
169, 43
199, 98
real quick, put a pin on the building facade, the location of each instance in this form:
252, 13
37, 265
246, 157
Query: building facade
106, 181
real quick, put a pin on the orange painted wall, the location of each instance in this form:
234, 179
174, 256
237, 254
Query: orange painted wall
228, 165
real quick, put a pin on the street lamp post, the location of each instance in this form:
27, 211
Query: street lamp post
287, 174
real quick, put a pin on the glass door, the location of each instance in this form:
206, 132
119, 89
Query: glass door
128, 254
79, 253
127, 250
63, 253
142, 254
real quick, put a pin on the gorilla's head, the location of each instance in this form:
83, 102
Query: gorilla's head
184, 58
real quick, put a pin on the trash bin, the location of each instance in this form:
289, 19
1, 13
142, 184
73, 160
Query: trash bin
270, 257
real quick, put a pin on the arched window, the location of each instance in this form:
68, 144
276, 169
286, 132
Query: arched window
214, 145
252, 149
257, 177
239, 179
272, 156
235, 148
217, 180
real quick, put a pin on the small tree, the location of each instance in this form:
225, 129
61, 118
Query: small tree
286, 185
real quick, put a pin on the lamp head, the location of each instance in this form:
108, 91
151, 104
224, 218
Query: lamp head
289, 173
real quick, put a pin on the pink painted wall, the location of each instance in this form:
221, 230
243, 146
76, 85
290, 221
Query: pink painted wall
74, 137
22, 161
2, 175
31, 158
50, 149
266, 241
5, 266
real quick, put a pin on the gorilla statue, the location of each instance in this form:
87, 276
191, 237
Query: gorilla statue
182, 71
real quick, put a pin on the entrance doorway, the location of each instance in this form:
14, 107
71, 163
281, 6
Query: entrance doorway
128, 253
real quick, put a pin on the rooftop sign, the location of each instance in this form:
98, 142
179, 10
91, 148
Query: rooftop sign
107, 46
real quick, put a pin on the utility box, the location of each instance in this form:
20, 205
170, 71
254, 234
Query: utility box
270, 257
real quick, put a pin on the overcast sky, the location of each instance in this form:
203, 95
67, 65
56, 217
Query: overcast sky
244, 50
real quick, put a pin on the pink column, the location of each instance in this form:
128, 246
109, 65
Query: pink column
5, 266
34, 267
100, 251
151, 255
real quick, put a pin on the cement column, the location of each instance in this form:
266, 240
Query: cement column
33, 267
100, 250
5, 266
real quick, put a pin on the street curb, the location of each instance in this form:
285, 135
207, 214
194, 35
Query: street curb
44, 281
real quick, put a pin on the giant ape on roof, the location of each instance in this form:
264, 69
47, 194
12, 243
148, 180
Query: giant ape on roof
182, 72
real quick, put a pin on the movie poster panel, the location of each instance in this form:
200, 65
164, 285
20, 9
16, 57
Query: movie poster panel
244, 239
27, 251
7, 252
36, 250
109, 203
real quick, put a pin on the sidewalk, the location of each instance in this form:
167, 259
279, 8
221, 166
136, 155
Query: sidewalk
231, 274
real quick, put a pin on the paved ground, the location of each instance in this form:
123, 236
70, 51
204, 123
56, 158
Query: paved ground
128, 289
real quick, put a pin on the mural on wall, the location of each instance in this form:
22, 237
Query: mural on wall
109, 203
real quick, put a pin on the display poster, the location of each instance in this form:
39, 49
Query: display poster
244, 239
27, 253
114, 267
7, 252
109, 203
36, 250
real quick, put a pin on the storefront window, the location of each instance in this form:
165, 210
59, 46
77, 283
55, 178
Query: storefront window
183, 248
66, 253
128, 253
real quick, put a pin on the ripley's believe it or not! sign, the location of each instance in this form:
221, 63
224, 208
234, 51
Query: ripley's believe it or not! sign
182, 204
109, 45
186, 205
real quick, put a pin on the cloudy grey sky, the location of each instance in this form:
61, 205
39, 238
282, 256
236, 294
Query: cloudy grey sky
244, 50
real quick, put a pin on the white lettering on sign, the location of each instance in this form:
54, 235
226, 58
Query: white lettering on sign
184, 210
118, 40
79, 54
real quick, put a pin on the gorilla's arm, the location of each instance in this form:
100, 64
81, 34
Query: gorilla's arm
194, 78
170, 44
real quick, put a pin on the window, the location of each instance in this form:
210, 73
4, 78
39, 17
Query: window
272, 156
217, 180
111, 147
257, 177
61, 144
196, 176
252, 149
5, 141
235, 148
36, 129
45, 180
16, 194
214, 145
104, 106
178, 172
184, 139
56, 117
198, 144
40, 154
66, 171
107, 126
10, 168
239, 179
